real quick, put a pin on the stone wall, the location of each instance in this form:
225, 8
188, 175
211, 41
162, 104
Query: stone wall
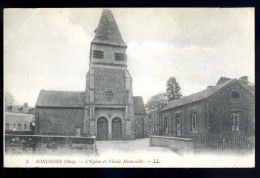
59, 121
177, 144
45, 144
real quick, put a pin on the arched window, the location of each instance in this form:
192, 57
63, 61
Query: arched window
109, 95
194, 120
235, 94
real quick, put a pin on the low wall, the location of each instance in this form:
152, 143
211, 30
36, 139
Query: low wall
177, 144
45, 144
9, 132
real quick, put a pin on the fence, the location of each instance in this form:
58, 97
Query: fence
49, 144
217, 142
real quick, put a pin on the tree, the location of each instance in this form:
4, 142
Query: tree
9, 99
173, 90
156, 102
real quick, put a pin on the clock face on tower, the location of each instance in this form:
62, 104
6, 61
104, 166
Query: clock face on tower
109, 95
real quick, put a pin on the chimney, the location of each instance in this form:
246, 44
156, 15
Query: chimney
209, 86
244, 78
25, 107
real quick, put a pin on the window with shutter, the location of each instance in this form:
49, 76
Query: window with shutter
98, 54
235, 119
166, 124
178, 124
119, 56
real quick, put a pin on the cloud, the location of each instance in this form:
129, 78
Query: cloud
152, 63
49, 48
46, 51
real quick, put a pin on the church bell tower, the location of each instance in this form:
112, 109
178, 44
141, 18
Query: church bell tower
108, 110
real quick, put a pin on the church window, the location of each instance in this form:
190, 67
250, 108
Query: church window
119, 56
109, 95
98, 54
235, 120
194, 120
235, 94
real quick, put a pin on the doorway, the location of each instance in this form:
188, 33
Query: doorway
102, 129
116, 129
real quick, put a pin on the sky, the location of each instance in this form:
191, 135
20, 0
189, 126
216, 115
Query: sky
49, 48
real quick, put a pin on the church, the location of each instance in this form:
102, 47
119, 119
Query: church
107, 108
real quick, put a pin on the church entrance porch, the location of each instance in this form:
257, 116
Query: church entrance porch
102, 129
116, 129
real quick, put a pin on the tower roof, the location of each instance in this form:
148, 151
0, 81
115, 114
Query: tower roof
107, 31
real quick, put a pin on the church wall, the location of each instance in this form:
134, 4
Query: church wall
87, 97
59, 121
109, 79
